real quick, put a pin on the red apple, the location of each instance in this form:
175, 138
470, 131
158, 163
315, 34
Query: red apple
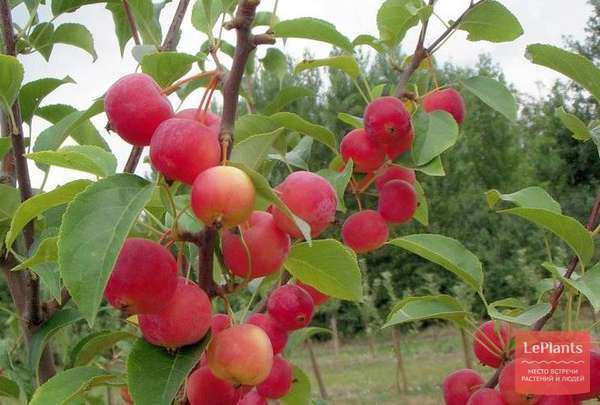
366, 154
365, 231
448, 100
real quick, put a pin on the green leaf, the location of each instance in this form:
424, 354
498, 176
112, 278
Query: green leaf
491, 21
77, 35
252, 124
328, 266
433, 168
495, 94
11, 77
275, 62
205, 14
95, 344
422, 212
287, 96
346, 63
297, 337
414, 309
10, 201
155, 375
580, 131
32, 94
434, 133
93, 229
41, 39
566, 228
253, 150
596, 138
9, 388
339, 181
68, 6
122, 29
588, 284
59, 320
50, 276
69, 384
167, 67
371, 41
5, 146
576, 67
146, 17
40, 203
46, 252
526, 317
84, 158
264, 190
298, 156
355, 122
395, 18
448, 253
530, 197
300, 393
296, 123
312, 28
54, 136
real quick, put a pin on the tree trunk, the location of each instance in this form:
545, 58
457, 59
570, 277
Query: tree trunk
335, 338
316, 369
467, 349
400, 371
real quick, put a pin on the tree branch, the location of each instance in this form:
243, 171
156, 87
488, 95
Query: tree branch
25, 287
421, 52
245, 44
559, 290
172, 38
169, 44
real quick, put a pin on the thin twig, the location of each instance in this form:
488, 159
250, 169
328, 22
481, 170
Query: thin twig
173, 35
132, 23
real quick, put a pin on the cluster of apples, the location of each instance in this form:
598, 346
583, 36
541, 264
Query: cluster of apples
242, 364
387, 134
492, 347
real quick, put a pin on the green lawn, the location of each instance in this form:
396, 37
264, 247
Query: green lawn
357, 377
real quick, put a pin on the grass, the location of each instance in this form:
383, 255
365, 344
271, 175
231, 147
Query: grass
357, 377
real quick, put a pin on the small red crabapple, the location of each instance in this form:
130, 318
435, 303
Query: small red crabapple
279, 382
365, 231
277, 335
491, 340
135, 107
264, 247
448, 100
242, 355
367, 155
223, 196
395, 173
387, 120
460, 385
317, 296
398, 146
310, 197
508, 391
204, 388
397, 202
219, 323
253, 398
144, 277
184, 320
291, 307
485, 396
182, 149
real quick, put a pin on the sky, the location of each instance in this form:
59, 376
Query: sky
544, 21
